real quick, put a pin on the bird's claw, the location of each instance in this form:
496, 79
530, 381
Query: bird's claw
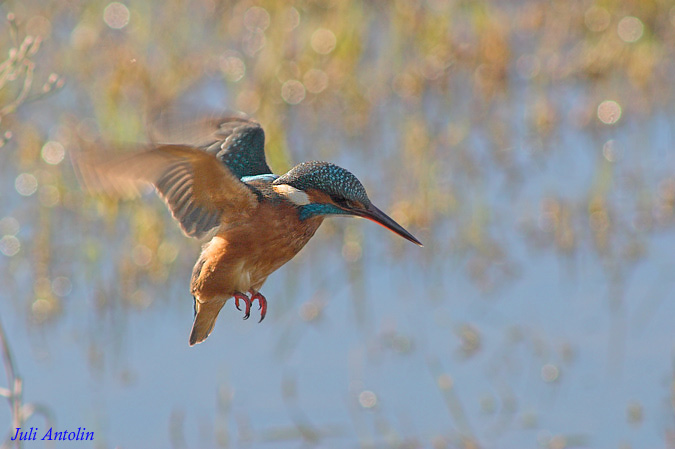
262, 304
241, 296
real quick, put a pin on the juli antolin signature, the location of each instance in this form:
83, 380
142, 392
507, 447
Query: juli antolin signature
32, 434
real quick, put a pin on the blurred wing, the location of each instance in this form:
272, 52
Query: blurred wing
198, 190
237, 142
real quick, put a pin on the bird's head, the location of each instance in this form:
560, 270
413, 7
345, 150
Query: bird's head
322, 188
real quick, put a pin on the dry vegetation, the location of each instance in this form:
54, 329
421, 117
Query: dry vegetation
476, 99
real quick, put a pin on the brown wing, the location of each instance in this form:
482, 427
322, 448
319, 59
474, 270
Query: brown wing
197, 188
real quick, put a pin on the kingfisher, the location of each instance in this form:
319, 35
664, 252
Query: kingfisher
219, 187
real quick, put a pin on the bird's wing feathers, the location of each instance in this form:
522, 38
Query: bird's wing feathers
196, 187
237, 142
241, 146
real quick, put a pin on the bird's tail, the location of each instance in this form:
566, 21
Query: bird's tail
205, 318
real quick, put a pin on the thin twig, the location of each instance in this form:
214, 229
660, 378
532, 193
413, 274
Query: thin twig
13, 381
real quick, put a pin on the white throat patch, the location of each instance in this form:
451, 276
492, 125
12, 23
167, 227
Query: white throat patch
296, 196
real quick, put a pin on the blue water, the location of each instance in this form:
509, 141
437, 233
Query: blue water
620, 351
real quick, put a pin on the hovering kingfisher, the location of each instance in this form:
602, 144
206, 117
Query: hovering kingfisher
221, 187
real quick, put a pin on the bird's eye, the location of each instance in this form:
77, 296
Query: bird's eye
342, 202
347, 204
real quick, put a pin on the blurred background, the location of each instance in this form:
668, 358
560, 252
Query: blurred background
527, 143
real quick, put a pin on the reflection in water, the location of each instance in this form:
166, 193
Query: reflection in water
527, 144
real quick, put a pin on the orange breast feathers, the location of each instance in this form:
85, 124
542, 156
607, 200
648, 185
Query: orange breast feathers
243, 254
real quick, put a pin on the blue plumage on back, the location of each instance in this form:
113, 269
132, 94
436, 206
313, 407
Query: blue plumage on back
240, 145
269, 177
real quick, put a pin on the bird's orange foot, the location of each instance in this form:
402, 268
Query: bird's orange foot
262, 303
242, 296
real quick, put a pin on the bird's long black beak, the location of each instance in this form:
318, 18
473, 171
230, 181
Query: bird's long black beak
374, 214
